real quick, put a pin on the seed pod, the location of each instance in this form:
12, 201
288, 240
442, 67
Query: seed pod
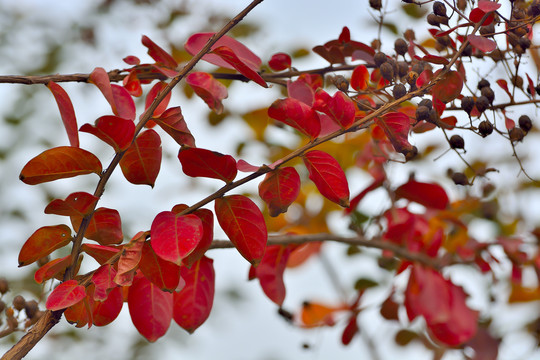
399, 91
422, 113
433, 116
439, 8
410, 154
468, 50
427, 103
409, 35
534, 9
462, 5
525, 123
401, 47
375, 4
524, 42
19, 302
517, 134
457, 142
2, 306
485, 128
418, 67
460, 178
31, 308
517, 81
488, 92
387, 71
341, 83
488, 29
483, 83
433, 19
482, 103
4, 286
380, 58
411, 78
403, 68
467, 104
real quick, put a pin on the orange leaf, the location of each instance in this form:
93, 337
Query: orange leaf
52, 269
43, 242
78, 203
316, 314
59, 163
100, 78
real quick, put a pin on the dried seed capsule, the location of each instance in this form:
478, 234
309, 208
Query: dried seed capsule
31, 308
488, 92
482, 103
2, 306
460, 178
403, 68
517, 134
488, 29
422, 113
525, 123
462, 5
457, 142
524, 42
418, 67
467, 104
19, 302
401, 47
387, 71
433, 116
427, 103
534, 9
485, 128
380, 58
433, 19
488, 189
410, 154
439, 8
517, 81
468, 50
341, 83
399, 91
4, 286
409, 35
375, 4
411, 78
483, 83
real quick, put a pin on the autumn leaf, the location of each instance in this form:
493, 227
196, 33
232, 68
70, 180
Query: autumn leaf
105, 226
43, 242
64, 295
328, 176
192, 304
103, 280
449, 87
428, 194
297, 114
208, 89
142, 160
67, 112
279, 61
152, 94
164, 274
243, 222
76, 204
113, 130
100, 78
125, 106
52, 269
59, 163
396, 127
197, 162
230, 57
279, 189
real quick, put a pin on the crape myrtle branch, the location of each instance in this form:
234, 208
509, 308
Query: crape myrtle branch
51, 318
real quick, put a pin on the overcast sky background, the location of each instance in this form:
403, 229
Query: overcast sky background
243, 323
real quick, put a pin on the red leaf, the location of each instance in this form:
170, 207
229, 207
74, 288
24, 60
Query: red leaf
350, 330
296, 114
172, 121
481, 43
142, 160
280, 61
192, 305
244, 166
125, 106
164, 274
396, 127
230, 57
270, 272
64, 295
509, 123
80, 313
427, 194
153, 93
243, 222
43, 242
175, 236
52, 269
328, 176
150, 308
531, 85
99, 252
435, 59
360, 78
131, 60
279, 189
100, 78
488, 6
103, 279
115, 131
106, 311
424, 78
78, 203
449, 87
208, 89
504, 85
207, 219
302, 253
158, 54
442, 304
132, 84
301, 90
198, 162
129, 260
105, 226
59, 163
196, 42
66, 112
341, 109
345, 35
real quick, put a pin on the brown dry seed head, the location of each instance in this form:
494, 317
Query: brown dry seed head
401, 47
482, 103
411, 78
485, 128
483, 83
380, 58
418, 67
524, 42
375, 4
433, 20
410, 154
457, 142
427, 103
517, 134
488, 92
399, 91
460, 178
488, 29
2, 306
439, 8
19, 302
387, 71
403, 68
467, 104
341, 83
462, 4
525, 123
422, 113
4, 286
31, 308
517, 81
